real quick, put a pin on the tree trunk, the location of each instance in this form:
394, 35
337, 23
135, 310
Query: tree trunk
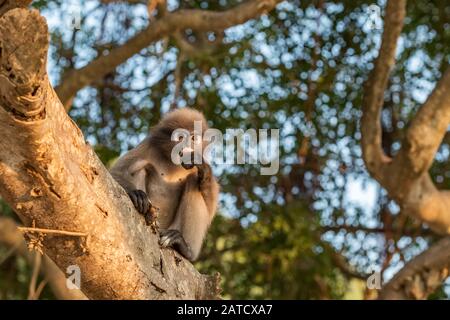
52, 178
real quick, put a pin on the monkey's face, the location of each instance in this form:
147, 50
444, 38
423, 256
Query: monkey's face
191, 152
188, 144
179, 146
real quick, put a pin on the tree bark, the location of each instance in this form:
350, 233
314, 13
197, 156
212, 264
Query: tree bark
51, 177
376, 84
422, 275
170, 23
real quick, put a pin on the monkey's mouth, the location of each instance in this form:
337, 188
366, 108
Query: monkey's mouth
187, 166
190, 163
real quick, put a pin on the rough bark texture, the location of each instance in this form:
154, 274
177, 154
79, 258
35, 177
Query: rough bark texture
50, 175
422, 275
11, 237
170, 23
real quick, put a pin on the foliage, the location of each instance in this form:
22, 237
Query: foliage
301, 69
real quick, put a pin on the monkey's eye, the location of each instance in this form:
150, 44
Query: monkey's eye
196, 139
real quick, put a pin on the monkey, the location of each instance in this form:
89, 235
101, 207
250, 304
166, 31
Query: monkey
185, 193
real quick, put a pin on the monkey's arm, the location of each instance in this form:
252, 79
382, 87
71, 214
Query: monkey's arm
208, 187
130, 172
123, 177
194, 215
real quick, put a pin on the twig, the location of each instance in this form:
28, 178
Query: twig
53, 231
39, 289
35, 274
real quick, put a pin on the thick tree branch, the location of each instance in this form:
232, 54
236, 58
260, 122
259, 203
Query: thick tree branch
422, 275
425, 133
405, 177
421, 199
170, 23
52, 177
11, 237
376, 84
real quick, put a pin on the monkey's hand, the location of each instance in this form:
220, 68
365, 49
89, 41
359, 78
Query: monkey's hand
204, 173
140, 200
174, 239
144, 206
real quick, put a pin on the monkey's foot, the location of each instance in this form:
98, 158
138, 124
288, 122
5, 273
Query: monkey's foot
140, 201
174, 239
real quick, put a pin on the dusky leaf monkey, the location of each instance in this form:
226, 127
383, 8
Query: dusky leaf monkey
186, 194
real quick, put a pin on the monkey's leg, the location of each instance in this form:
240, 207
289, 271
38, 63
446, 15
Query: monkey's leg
191, 221
174, 239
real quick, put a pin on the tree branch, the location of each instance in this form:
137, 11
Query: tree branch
50, 175
422, 275
170, 23
376, 84
425, 133
11, 237
422, 200
405, 177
